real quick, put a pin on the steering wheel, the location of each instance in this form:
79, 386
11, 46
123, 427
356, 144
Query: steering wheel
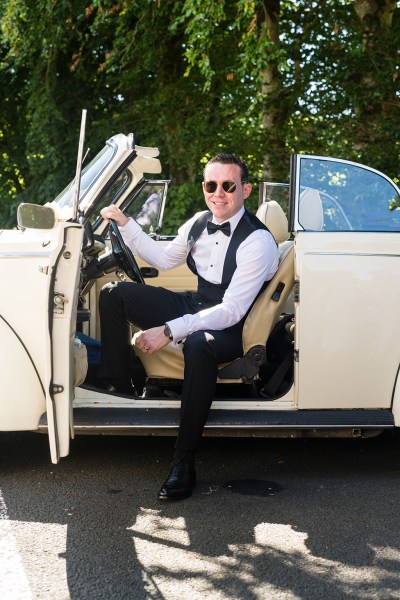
123, 255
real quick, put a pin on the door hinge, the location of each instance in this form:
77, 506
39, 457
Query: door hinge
296, 355
59, 301
57, 389
296, 291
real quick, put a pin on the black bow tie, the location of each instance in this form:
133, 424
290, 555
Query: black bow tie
213, 227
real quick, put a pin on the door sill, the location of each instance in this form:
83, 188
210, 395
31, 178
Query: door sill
87, 397
225, 422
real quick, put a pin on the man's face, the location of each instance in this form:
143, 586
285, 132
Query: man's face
223, 204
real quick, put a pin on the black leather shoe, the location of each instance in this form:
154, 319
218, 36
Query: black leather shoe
120, 391
180, 481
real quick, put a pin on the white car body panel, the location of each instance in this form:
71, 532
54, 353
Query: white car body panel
24, 259
22, 398
348, 323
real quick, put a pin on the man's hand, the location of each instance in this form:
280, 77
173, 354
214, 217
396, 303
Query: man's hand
151, 340
113, 212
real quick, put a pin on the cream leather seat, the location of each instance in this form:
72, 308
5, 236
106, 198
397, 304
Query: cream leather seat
311, 212
168, 363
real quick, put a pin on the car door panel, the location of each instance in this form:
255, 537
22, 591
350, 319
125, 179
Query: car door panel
63, 288
347, 320
347, 267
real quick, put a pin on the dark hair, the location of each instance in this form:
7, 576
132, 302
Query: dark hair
231, 159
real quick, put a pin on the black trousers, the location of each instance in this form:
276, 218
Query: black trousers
122, 304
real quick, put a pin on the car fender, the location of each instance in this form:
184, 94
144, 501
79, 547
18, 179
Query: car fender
22, 400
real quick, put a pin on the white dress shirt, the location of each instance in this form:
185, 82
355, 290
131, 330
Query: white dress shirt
256, 258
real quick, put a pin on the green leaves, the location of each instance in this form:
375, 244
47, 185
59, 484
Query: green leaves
261, 78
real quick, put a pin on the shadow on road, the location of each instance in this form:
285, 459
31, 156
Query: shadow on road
283, 518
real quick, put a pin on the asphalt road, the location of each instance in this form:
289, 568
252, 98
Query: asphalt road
269, 519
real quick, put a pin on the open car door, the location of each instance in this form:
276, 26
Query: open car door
347, 271
62, 300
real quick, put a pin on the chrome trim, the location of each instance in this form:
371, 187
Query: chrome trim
310, 252
25, 254
159, 426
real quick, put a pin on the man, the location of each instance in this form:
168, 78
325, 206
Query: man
233, 255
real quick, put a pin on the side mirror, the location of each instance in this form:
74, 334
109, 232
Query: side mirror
35, 216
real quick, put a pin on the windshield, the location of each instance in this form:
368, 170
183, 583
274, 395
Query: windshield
89, 175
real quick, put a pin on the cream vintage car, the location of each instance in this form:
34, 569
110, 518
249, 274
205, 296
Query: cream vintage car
321, 346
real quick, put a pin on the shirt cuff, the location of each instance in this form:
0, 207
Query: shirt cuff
131, 228
178, 331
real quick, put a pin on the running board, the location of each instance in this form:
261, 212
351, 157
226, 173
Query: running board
225, 422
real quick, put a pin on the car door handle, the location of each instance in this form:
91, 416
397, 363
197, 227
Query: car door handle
148, 272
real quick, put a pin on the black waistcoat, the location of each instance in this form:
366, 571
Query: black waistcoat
208, 293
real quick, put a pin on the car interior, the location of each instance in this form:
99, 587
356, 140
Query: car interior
266, 368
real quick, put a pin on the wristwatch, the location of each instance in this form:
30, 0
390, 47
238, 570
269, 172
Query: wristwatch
167, 332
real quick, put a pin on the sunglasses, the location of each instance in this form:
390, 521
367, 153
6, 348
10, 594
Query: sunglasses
228, 186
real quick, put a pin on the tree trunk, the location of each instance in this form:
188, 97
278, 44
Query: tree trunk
275, 114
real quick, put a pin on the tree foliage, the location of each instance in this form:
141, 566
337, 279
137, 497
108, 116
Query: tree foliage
262, 78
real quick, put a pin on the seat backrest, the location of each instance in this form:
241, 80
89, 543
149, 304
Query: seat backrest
311, 212
272, 215
266, 310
